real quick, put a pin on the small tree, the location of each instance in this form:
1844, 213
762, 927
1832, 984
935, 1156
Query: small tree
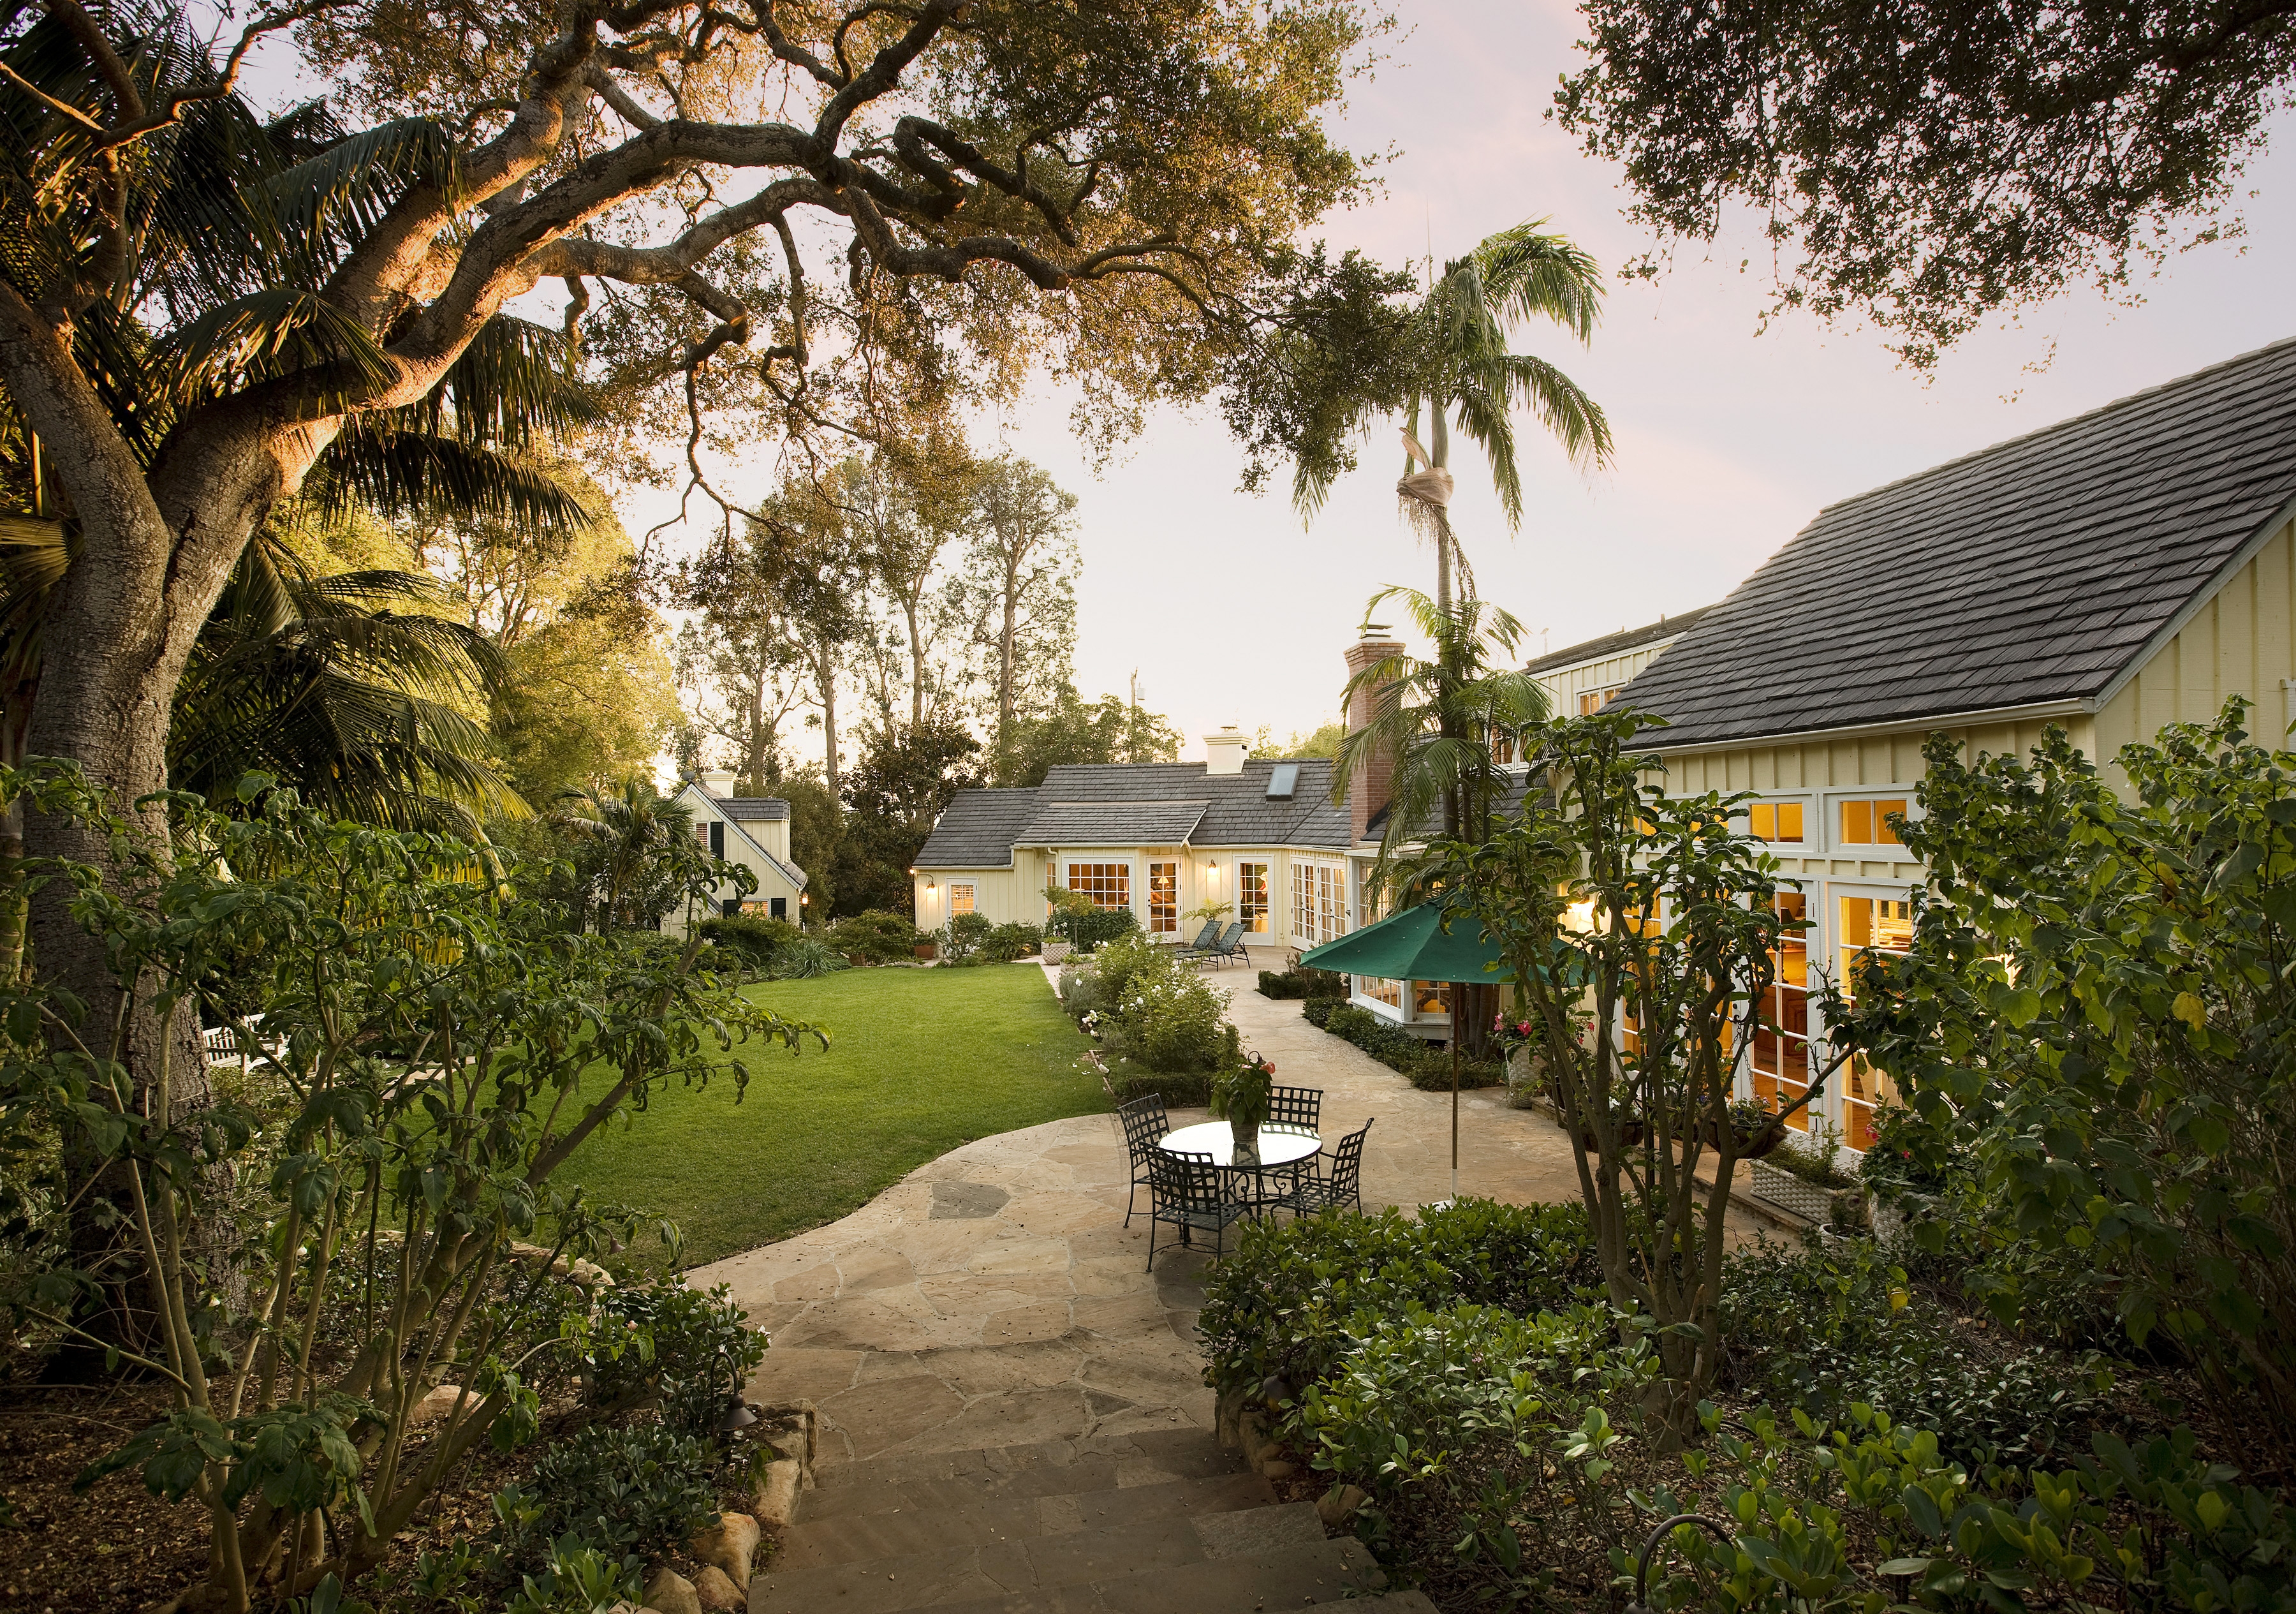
432, 1051
2097, 1012
1606, 893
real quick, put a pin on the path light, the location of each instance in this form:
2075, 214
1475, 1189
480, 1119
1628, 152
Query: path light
1642, 1565
739, 1418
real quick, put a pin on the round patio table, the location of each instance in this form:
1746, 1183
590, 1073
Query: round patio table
1280, 1146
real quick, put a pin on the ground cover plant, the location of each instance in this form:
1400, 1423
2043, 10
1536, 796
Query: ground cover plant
919, 1061
1429, 1068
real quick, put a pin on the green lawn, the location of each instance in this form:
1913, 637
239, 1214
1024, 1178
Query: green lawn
919, 1061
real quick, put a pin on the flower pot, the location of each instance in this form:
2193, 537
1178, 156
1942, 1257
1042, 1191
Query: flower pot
1244, 1136
928, 951
1750, 1147
1054, 951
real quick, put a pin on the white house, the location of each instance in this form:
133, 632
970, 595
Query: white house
751, 830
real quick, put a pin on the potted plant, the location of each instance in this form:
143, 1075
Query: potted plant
1064, 905
928, 950
1240, 1095
1758, 1131
1629, 1126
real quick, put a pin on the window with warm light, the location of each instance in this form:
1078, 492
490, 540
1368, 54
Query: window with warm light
1163, 898
1777, 822
1780, 1061
1251, 898
1594, 700
1431, 997
1865, 821
1107, 884
1872, 927
1390, 992
960, 898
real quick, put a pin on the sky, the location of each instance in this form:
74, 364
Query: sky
1728, 441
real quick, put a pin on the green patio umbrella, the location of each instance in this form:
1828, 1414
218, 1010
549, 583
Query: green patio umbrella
1414, 946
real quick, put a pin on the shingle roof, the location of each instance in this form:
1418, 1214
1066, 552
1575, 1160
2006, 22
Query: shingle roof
750, 807
2034, 571
977, 829
1102, 804
1618, 643
1112, 823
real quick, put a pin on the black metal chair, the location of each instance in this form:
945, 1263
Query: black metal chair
1145, 1125
1316, 1189
1295, 1106
1192, 1194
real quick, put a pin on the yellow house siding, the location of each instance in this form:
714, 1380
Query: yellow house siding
1564, 686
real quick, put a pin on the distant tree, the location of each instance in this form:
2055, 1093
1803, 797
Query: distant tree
1073, 730
1018, 581
1323, 740
901, 783
1931, 162
738, 677
905, 504
634, 853
816, 834
798, 560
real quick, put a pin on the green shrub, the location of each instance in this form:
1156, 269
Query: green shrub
578, 1580
1284, 1305
1094, 927
1320, 1010
879, 936
1429, 1071
1007, 942
1080, 989
621, 1490
691, 1349
961, 940
1179, 1088
806, 959
1284, 986
753, 938
1826, 1330
1302, 983
1166, 1019
1428, 1068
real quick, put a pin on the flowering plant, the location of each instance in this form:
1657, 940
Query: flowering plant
1510, 1031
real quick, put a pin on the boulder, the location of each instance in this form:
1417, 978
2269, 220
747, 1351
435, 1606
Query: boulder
1251, 1432
435, 1405
672, 1594
715, 1594
1231, 1408
729, 1544
1277, 1468
590, 1276
777, 1488
1335, 1507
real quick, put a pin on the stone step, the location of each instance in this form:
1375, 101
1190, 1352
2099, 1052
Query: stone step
1050, 1468
1285, 1578
992, 1573
851, 1537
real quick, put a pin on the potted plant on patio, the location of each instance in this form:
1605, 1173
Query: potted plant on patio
1240, 1096
1065, 905
1758, 1128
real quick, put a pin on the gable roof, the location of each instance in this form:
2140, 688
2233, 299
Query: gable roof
1618, 643
2036, 570
1140, 804
977, 829
789, 871
751, 807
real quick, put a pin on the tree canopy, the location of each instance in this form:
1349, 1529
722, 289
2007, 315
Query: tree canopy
1923, 165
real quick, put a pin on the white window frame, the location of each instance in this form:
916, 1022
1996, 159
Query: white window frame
1830, 811
972, 897
1131, 866
1812, 822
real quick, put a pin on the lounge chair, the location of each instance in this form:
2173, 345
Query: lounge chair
1228, 944
1205, 937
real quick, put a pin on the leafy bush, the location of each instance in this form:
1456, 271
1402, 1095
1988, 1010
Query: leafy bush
1302, 983
634, 1490
1179, 1088
1080, 989
578, 1580
1320, 1010
691, 1349
1095, 928
1284, 1305
1166, 1019
1429, 1069
753, 938
960, 939
1014, 941
878, 936
1825, 1330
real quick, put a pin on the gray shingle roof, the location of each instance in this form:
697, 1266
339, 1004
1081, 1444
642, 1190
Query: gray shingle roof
980, 826
1113, 823
1618, 643
2034, 571
747, 807
977, 829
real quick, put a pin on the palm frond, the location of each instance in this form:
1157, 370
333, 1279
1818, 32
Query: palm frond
269, 332
1562, 407
515, 383
1485, 420
342, 193
406, 473
1531, 274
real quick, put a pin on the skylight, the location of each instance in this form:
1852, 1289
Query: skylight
1283, 779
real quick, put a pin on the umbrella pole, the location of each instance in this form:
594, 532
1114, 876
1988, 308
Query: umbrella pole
1455, 1106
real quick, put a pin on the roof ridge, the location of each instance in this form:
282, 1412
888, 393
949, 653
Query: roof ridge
2070, 421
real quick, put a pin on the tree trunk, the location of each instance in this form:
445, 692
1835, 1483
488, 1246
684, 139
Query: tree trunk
1005, 703
916, 666
1440, 451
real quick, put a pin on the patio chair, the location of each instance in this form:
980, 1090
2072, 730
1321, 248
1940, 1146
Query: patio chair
1205, 938
1192, 1194
1145, 1125
1228, 944
1315, 1190
1295, 1106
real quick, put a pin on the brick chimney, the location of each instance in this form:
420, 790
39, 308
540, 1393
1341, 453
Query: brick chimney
1369, 786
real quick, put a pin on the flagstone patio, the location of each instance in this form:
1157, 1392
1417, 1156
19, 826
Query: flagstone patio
995, 1297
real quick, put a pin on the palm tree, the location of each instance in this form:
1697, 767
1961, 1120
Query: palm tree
639, 845
1459, 367
1442, 719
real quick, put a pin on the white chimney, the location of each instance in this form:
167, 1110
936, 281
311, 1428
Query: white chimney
717, 781
1224, 750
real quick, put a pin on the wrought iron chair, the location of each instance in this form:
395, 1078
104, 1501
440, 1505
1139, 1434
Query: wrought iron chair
1316, 1189
1145, 1126
1295, 1106
1192, 1194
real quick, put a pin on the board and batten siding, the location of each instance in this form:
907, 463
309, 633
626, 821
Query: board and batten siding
1565, 684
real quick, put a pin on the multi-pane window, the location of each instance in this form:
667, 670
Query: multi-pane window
1108, 884
1867, 822
960, 897
1781, 1035
1432, 997
1163, 898
1319, 904
1594, 700
1884, 925
1777, 822
1251, 898
1390, 992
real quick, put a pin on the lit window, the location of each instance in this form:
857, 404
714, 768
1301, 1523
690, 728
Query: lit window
1776, 821
1390, 992
1594, 700
960, 897
1503, 748
1251, 897
1432, 997
1108, 884
1866, 823
1886, 927
1782, 1035
1164, 898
